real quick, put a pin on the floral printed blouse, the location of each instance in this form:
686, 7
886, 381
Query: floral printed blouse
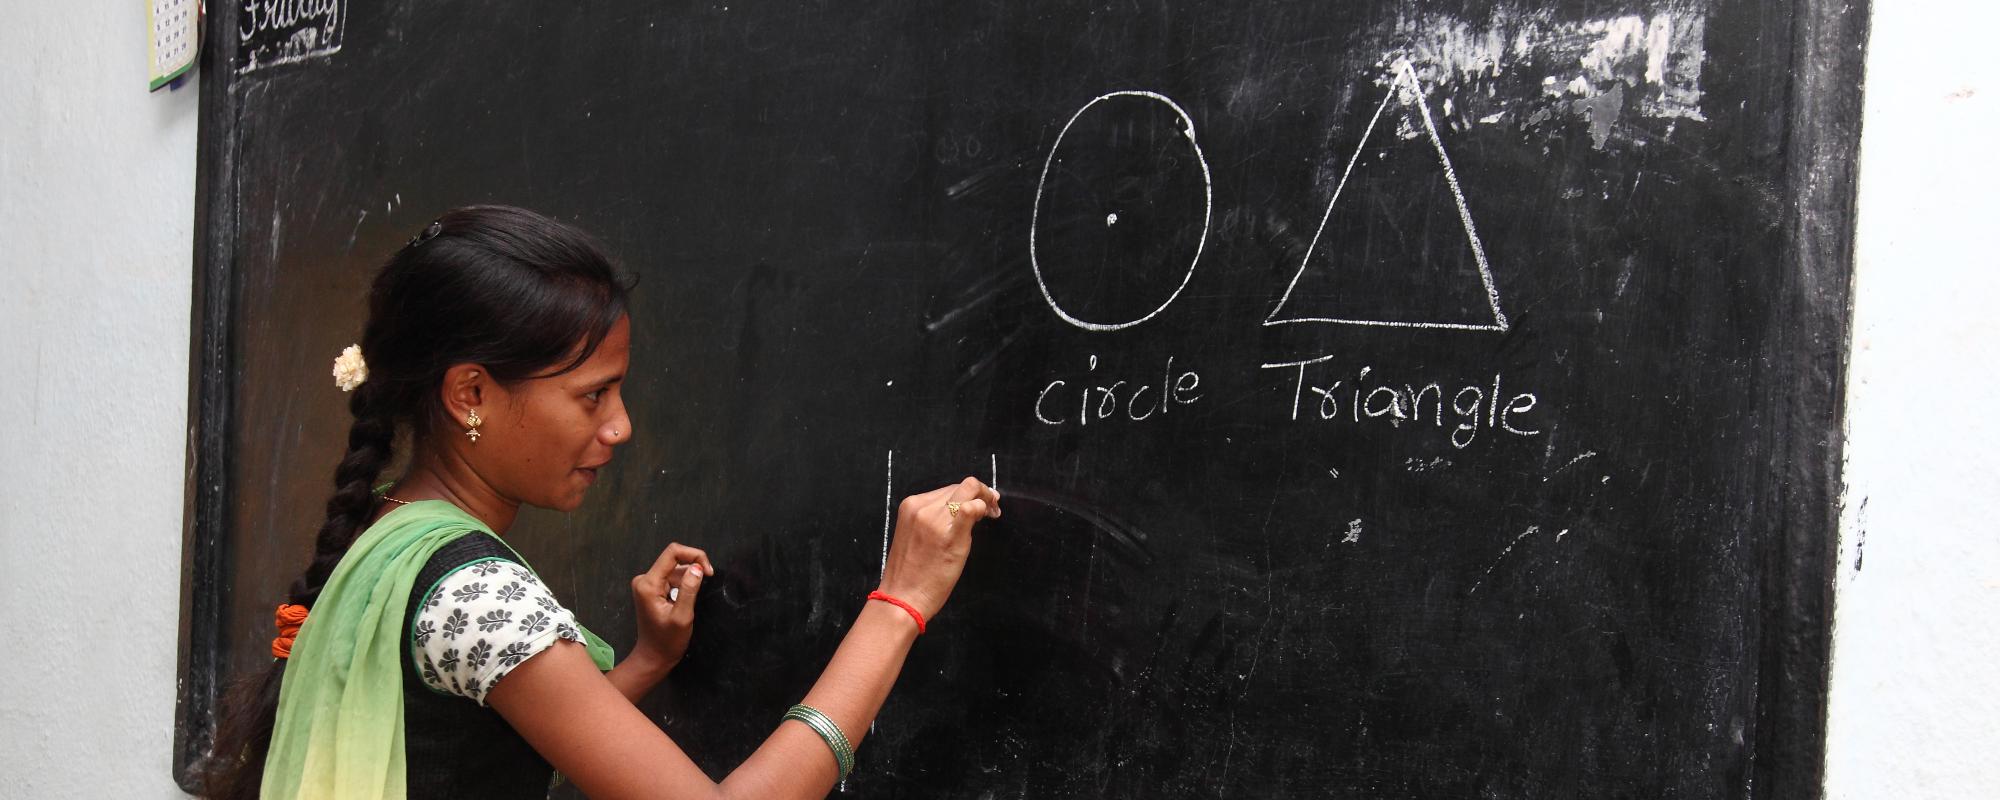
480, 622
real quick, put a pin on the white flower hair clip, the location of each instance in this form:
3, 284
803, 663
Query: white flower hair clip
349, 370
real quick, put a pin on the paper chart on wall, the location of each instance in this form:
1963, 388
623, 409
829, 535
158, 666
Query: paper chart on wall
174, 41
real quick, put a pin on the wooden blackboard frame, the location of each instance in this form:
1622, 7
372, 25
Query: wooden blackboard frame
1805, 347
204, 517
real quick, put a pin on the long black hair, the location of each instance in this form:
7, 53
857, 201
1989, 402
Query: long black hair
505, 288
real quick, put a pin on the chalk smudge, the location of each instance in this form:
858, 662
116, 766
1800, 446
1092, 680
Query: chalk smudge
1593, 71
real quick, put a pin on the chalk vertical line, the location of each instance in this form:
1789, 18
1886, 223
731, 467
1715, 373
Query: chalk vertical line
888, 513
888, 516
995, 460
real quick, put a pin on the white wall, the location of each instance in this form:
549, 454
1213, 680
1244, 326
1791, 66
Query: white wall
1916, 667
96, 208
96, 220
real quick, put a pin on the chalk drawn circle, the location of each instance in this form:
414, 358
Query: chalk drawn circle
1126, 220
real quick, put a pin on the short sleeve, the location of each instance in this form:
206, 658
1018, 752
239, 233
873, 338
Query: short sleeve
482, 620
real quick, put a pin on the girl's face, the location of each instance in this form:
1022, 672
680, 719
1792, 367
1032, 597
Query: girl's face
545, 439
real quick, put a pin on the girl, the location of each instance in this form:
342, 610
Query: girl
419, 656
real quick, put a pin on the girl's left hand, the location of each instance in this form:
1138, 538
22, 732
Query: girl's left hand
664, 601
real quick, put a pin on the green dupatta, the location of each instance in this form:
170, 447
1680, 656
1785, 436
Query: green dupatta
339, 730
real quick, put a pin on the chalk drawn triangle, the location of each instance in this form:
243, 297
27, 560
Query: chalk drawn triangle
1407, 92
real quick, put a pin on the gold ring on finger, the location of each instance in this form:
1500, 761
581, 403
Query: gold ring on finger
952, 509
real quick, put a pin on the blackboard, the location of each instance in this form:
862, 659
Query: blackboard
1392, 399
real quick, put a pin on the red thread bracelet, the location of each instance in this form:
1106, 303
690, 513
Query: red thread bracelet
878, 594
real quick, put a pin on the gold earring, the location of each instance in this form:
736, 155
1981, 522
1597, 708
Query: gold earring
472, 423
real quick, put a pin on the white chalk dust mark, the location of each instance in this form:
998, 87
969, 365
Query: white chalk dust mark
1572, 463
1503, 555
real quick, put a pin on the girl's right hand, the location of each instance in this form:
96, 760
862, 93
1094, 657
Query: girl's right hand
931, 543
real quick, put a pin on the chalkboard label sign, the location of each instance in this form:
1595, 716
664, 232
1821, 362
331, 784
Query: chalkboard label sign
274, 32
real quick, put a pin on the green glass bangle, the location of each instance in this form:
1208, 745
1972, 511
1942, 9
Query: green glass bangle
843, 753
